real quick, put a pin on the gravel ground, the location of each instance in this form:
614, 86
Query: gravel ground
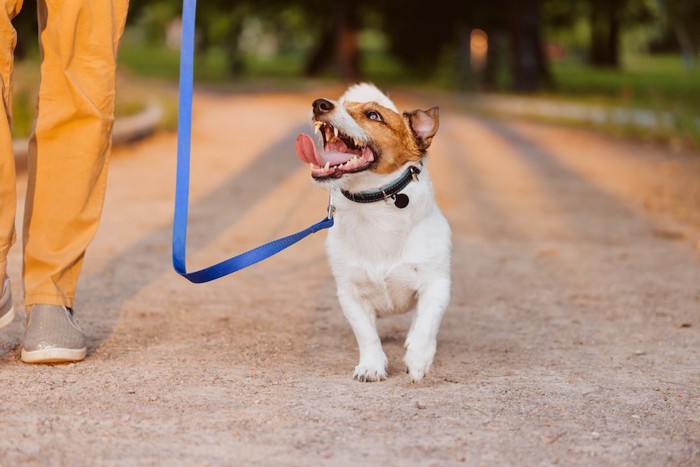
572, 337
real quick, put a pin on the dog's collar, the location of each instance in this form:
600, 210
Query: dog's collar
388, 193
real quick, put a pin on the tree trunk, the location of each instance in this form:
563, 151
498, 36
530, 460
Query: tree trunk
234, 58
605, 33
530, 69
497, 60
686, 44
319, 58
27, 31
338, 47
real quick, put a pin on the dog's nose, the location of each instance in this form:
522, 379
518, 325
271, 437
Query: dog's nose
322, 106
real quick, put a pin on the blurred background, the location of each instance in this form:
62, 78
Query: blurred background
626, 66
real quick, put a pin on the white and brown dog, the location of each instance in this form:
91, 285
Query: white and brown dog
389, 249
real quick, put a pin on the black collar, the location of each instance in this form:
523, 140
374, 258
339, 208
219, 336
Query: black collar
388, 192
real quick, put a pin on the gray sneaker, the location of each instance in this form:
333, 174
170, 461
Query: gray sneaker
7, 311
52, 336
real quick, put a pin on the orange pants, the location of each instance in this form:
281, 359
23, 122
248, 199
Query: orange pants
70, 145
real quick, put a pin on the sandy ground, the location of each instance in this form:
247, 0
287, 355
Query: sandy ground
572, 338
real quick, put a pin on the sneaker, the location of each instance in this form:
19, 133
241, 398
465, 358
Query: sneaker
52, 336
7, 311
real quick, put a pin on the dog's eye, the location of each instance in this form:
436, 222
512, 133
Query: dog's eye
372, 115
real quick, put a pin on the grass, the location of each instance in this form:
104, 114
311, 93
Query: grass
25, 86
160, 62
131, 96
646, 81
658, 83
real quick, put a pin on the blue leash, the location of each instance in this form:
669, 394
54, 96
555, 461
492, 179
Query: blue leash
182, 187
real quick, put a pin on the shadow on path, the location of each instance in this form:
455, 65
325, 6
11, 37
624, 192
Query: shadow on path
107, 290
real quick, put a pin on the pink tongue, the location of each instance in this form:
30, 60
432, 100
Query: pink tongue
306, 151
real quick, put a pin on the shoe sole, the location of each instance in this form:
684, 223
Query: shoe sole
8, 318
53, 355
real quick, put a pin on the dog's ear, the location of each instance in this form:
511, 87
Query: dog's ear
424, 124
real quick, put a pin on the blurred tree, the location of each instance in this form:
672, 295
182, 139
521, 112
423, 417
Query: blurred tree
419, 35
152, 19
490, 18
683, 18
220, 23
607, 18
529, 68
27, 31
418, 32
339, 24
422, 36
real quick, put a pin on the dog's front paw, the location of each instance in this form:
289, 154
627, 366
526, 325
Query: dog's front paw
418, 359
370, 370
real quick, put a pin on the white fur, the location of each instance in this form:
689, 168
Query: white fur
366, 92
388, 260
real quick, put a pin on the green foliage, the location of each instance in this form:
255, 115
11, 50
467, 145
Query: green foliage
23, 114
658, 83
131, 97
154, 19
410, 42
25, 83
146, 59
646, 81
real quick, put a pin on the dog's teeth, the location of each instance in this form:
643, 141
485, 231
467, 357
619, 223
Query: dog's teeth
335, 131
327, 166
317, 127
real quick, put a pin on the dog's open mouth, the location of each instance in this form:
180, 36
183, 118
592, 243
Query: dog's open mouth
340, 154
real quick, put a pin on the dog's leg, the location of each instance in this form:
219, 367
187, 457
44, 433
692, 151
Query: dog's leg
421, 341
373, 361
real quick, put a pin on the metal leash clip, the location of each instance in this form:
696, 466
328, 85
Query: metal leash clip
331, 206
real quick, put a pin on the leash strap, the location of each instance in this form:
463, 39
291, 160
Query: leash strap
182, 184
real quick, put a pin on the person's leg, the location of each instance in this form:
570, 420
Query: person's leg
8, 195
71, 143
67, 164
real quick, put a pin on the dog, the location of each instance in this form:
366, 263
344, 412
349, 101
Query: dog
390, 247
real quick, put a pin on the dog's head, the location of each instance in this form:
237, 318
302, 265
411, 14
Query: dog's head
364, 132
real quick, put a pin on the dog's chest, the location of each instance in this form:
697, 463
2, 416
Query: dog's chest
371, 257
389, 291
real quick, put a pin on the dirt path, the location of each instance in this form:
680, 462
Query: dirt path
573, 335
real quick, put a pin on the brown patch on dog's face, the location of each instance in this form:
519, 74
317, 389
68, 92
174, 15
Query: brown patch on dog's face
357, 137
390, 136
396, 139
